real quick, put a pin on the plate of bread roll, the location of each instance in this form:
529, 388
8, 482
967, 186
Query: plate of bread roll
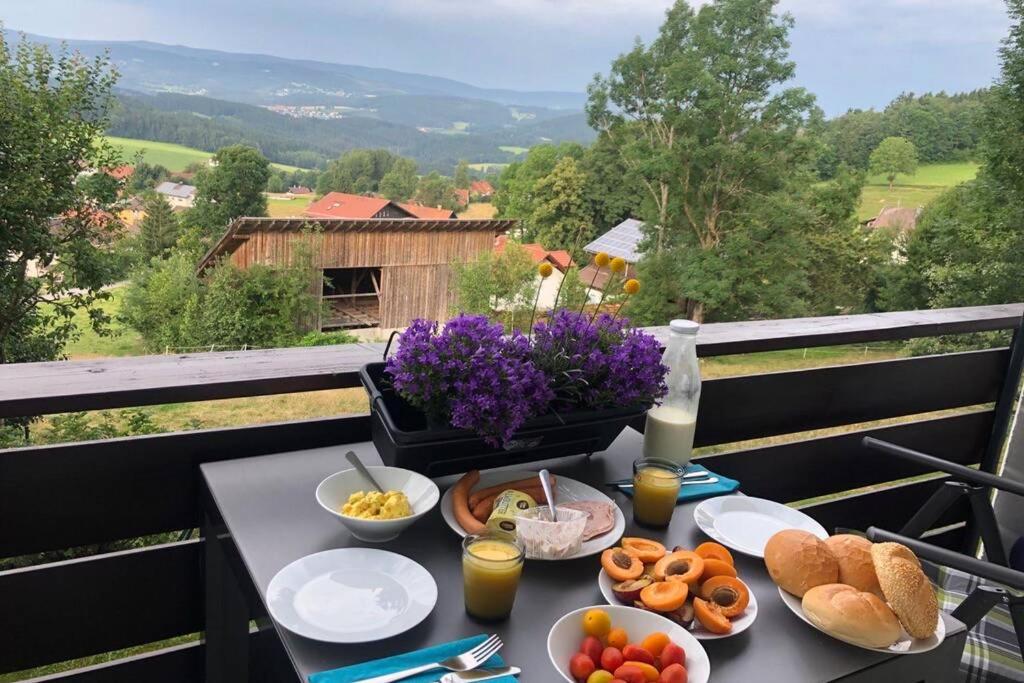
872, 595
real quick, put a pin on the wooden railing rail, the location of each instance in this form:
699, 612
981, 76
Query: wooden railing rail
66, 386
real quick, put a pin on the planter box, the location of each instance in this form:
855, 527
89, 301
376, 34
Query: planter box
403, 438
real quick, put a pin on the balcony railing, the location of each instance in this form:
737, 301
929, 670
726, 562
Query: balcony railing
70, 495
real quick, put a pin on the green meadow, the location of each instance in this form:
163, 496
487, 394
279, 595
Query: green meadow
919, 189
173, 157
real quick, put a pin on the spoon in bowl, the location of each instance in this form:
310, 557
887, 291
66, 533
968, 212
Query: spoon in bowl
545, 482
358, 464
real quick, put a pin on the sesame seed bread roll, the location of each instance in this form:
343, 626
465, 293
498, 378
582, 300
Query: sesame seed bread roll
853, 553
849, 614
906, 588
798, 560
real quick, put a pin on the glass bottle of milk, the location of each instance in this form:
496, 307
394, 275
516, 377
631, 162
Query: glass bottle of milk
670, 426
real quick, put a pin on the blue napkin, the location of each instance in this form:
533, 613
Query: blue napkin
723, 486
388, 665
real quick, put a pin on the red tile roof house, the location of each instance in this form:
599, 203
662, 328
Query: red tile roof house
902, 218
299, 189
462, 196
481, 189
560, 259
120, 172
343, 205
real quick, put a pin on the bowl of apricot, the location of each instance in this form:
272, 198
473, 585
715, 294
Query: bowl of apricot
603, 643
698, 589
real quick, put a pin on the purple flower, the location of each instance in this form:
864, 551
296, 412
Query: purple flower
470, 374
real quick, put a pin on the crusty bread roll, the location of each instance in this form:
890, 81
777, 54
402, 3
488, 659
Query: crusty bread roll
853, 553
798, 560
906, 588
849, 614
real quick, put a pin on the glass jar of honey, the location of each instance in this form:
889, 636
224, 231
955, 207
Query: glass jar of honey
491, 566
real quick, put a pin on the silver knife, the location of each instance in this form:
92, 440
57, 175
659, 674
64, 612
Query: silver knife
480, 674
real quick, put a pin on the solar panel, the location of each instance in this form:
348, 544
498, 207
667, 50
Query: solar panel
622, 241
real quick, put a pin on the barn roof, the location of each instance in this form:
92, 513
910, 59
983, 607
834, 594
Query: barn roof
429, 212
344, 205
622, 240
240, 229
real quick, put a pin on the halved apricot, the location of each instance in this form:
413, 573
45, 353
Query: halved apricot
728, 593
714, 567
665, 596
711, 617
620, 565
643, 549
681, 565
717, 551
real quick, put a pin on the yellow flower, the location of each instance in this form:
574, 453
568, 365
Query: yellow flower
545, 269
631, 286
601, 259
618, 264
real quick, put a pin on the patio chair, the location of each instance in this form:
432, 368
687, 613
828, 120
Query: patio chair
985, 594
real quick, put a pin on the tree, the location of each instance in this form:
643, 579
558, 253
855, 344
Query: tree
276, 183
435, 189
159, 229
54, 234
146, 176
232, 188
892, 157
502, 281
462, 179
966, 249
561, 217
399, 184
702, 120
357, 171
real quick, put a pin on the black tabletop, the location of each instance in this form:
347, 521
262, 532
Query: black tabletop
269, 507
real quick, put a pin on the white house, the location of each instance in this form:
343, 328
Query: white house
178, 195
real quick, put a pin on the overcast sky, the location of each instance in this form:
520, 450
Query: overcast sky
850, 53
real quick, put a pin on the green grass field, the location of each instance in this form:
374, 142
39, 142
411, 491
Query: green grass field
173, 157
280, 207
514, 150
920, 189
488, 167
121, 340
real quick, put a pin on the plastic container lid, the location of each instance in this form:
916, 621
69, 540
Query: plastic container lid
684, 326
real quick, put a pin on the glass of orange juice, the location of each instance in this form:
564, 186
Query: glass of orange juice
491, 566
656, 486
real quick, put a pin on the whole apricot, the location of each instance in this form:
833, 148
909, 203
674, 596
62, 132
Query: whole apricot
649, 671
597, 623
600, 676
655, 643
630, 673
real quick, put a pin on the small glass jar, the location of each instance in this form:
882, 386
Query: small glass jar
656, 486
491, 566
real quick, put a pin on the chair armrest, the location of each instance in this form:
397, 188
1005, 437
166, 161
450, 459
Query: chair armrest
971, 565
965, 474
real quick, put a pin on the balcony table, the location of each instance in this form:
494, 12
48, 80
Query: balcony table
260, 514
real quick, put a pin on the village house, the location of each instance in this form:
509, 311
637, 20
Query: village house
178, 195
343, 205
299, 190
481, 190
622, 241
131, 214
560, 261
901, 218
376, 272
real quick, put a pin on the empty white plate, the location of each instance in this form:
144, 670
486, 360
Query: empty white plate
739, 624
904, 646
351, 595
566, 490
745, 524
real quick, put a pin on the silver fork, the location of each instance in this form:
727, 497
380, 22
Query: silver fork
473, 659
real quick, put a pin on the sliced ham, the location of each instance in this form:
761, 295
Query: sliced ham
600, 516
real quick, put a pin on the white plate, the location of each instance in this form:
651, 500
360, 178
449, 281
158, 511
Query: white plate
565, 637
739, 624
351, 595
904, 646
567, 490
745, 524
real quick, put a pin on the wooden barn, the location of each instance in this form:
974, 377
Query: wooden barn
376, 272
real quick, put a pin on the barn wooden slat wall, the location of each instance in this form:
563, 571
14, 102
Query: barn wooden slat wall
116, 488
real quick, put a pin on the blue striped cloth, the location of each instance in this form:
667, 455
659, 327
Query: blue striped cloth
390, 665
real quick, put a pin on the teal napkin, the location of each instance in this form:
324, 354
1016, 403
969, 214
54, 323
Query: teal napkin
389, 665
692, 491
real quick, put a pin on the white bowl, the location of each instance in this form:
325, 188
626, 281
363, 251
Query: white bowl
333, 493
565, 637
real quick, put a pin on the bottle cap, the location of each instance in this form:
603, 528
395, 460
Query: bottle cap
684, 326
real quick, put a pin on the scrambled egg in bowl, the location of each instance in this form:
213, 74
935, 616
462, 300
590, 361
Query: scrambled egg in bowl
377, 505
